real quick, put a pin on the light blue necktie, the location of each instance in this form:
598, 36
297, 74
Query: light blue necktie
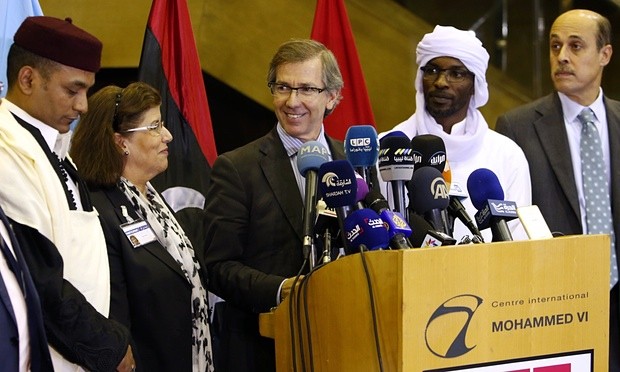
595, 186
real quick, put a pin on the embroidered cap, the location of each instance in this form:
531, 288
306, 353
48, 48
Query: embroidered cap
61, 41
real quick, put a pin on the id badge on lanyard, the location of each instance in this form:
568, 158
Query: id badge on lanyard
138, 231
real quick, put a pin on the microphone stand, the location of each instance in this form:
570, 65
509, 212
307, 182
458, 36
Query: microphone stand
327, 247
398, 188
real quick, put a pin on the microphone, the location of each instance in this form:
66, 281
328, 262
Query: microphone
428, 150
365, 227
428, 196
361, 147
310, 157
326, 219
456, 209
396, 167
487, 196
397, 227
436, 239
338, 187
325, 228
362, 191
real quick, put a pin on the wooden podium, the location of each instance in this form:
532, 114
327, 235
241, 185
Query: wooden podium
530, 306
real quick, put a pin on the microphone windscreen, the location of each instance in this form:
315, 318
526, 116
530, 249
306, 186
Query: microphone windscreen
376, 201
337, 182
365, 226
310, 157
395, 158
362, 188
428, 150
395, 133
361, 145
428, 190
483, 185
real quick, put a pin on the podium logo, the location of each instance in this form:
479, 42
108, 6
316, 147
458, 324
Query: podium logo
446, 330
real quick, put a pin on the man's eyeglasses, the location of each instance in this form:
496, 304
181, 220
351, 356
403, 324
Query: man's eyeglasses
283, 90
154, 128
452, 75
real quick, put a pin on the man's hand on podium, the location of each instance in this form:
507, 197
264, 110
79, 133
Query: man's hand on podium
287, 285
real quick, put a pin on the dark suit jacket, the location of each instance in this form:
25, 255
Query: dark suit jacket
149, 293
253, 240
40, 359
539, 129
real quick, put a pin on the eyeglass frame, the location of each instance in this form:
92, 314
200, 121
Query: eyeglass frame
447, 73
315, 91
151, 128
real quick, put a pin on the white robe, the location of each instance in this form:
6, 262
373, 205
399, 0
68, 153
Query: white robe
470, 146
32, 194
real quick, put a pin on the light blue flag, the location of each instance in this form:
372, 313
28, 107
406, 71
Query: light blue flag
15, 11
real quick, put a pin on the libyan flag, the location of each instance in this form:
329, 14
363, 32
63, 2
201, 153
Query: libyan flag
170, 63
331, 27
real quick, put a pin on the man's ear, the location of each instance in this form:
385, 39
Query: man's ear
25, 79
605, 54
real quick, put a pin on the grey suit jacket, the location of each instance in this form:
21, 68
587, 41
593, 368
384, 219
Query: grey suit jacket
539, 129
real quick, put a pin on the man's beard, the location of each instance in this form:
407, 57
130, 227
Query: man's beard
442, 113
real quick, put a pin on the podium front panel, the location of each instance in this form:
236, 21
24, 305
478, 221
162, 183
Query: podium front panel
511, 306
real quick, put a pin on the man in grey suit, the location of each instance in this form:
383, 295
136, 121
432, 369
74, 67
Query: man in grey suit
549, 132
254, 205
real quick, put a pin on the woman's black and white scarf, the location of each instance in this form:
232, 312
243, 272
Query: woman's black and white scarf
170, 234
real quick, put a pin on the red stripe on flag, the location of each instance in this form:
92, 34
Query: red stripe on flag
331, 27
171, 25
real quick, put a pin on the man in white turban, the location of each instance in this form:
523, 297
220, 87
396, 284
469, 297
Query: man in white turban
450, 87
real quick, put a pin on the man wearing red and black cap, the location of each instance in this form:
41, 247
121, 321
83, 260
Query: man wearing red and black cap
51, 66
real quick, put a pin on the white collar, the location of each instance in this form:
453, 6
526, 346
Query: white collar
56, 141
572, 109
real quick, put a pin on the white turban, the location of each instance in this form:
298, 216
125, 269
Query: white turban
447, 41
463, 45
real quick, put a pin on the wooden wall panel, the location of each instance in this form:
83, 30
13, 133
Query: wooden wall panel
236, 39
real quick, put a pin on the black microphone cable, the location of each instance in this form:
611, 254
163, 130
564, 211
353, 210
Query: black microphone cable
291, 314
297, 297
372, 306
375, 323
304, 289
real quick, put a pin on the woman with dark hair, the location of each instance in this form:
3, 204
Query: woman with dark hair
158, 290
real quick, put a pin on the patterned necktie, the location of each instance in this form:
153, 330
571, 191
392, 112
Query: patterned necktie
595, 186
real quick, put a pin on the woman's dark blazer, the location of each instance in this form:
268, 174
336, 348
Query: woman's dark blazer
149, 295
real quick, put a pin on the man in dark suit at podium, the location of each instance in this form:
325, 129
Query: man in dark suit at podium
255, 205
551, 131
23, 344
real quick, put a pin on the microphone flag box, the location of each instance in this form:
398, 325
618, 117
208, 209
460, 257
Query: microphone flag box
493, 208
437, 239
